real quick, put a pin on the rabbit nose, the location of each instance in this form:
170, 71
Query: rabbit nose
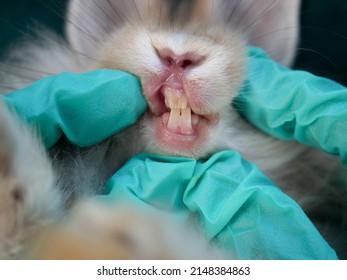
170, 59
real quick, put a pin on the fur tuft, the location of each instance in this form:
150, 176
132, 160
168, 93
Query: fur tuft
29, 197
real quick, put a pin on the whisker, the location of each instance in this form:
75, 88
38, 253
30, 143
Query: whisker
17, 83
14, 65
90, 35
212, 11
134, 5
149, 13
269, 52
119, 15
25, 78
125, 9
9, 89
273, 32
160, 12
261, 14
66, 20
236, 5
321, 55
101, 7
55, 9
324, 30
130, 17
65, 47
15, 28
88, 11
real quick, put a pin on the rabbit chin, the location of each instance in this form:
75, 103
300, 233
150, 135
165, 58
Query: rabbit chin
173, 142
200, 143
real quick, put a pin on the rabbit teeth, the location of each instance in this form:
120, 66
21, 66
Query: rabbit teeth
180, 118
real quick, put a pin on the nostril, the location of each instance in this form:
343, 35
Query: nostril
185, 63
166, 56
186, 60
170, 61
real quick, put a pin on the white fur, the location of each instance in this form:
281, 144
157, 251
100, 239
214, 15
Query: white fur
29, 174
47, 55
147, 235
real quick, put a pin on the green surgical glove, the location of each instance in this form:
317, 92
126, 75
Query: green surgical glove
237, 205
87, 108
295, 105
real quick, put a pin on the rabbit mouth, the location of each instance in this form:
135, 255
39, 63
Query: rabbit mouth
177, 126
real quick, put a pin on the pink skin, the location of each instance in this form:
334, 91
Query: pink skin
174, 76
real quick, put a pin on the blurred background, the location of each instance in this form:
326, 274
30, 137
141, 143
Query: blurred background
322, 51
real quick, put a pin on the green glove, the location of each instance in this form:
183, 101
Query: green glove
295, 105
87, 108
238, 206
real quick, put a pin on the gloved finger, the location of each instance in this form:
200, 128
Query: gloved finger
295, 105
87, 108
237, 205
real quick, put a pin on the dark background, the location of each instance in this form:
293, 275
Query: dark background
323, 48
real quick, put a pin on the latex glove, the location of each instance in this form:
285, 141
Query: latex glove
295, 105
235, 202
87, 108
238, 206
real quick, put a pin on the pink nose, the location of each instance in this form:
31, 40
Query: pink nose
170, 59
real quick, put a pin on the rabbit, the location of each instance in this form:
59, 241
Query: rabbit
191, 58
95, 230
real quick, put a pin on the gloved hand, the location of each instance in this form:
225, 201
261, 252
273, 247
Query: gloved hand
237, 205
295, 105
86, 108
